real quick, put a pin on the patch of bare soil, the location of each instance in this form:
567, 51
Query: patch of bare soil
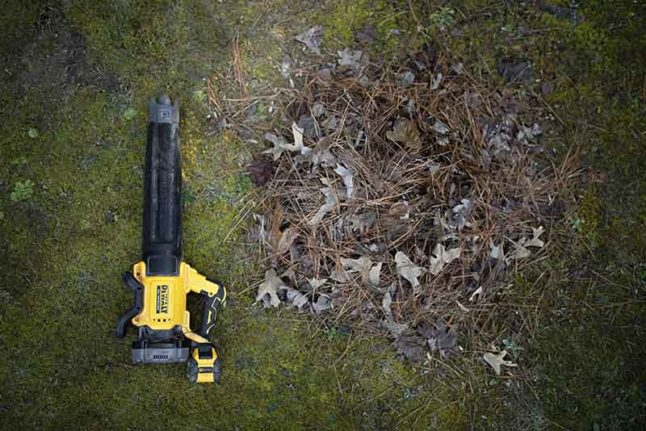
56, 56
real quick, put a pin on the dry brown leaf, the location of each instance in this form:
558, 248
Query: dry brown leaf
374, 275
347, 177
442, 257
520, 247
312, 38
361, 265
350, 58
362, 222
497, 252
281, 145
496, 361
411, 345
536, 241
440, 337
386, 303
297, 132
394, 328
408, 269
321, 304
316, 282
520, 251
460, 215
476, 294
287, 238
259, 230
339, 276
330, 204
440, 127
268, 289
296, 298
404, 131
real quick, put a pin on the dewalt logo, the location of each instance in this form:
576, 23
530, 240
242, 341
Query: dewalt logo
162, 298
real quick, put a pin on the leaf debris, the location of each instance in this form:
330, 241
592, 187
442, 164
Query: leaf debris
496, 361
408, 269
312, 38
429, 184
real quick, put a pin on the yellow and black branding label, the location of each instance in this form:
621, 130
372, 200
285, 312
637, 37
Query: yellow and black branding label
162, 298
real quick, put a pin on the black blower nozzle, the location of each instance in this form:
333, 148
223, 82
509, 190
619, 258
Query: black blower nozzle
162, 220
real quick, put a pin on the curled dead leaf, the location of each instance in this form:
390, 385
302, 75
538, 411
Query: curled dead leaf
442, 256
497, 252
321, 304
460, 215
287, 238
374, 275
476, 294
520, 251
386, 304
296, 298
297, 132
350, 58
330, 204
347, 177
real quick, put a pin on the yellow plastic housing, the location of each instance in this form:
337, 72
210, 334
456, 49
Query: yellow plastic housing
205, 377
165, 298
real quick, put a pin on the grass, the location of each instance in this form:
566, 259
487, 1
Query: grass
80, 75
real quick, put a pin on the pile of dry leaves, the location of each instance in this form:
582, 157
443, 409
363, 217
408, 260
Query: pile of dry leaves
401, 200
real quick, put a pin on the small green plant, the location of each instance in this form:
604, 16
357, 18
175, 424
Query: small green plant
85, 225
337, 332
513, 348
22, 191
576, 223
188, 196
20, 160
129, 114
200, 96
443, 18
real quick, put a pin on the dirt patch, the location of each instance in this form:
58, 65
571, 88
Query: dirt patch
56, 57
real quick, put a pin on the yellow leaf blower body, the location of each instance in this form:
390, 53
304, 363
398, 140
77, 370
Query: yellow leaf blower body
161, 281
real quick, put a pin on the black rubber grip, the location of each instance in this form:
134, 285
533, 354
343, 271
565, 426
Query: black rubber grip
211, 309
138, 304
162, 219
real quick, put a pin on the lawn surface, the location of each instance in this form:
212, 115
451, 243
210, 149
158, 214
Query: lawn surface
75, 79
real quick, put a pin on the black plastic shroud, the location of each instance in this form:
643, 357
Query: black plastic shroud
162, 215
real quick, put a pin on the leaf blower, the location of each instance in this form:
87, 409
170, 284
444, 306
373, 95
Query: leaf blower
161, 281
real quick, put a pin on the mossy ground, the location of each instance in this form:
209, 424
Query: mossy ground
80, 74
